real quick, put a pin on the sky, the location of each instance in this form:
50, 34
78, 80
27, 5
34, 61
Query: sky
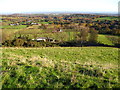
29, 6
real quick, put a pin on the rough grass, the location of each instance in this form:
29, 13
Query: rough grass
60, 67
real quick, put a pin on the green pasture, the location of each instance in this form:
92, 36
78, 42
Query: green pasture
60, 67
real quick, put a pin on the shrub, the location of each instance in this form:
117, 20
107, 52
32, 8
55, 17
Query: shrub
8, 43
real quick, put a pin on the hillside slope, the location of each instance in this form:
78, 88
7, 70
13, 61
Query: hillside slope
60, 67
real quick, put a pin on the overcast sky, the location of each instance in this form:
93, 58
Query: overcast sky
23, 6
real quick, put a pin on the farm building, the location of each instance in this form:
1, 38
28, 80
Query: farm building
34, 23
14, 24
44, 39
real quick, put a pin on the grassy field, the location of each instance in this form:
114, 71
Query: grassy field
103, 39
107, 18
108, 39
13, 27
60, 67
44, 22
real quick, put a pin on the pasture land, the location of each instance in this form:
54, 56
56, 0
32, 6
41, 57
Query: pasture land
60, 67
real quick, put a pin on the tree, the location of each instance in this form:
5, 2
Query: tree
19, 42
42, 27
116, 31
93, 36
82, 36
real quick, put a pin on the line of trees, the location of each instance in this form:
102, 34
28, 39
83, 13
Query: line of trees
84, 36
87, 36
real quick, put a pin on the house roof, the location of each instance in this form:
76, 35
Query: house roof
41, 38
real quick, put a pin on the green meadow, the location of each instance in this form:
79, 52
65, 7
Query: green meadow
60, 67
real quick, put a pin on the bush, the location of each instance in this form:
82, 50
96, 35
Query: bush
8, 43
